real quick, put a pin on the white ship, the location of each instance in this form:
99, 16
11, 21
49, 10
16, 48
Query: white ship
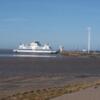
36, 48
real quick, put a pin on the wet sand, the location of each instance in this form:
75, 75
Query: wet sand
25, 74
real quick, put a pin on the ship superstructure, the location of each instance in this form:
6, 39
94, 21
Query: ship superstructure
35, 47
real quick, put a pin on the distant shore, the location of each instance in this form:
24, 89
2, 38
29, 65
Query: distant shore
80, 53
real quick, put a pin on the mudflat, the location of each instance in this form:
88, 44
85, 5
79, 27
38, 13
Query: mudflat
19, 74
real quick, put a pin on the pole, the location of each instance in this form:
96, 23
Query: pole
89, 39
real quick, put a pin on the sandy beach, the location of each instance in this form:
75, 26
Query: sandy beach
87, 94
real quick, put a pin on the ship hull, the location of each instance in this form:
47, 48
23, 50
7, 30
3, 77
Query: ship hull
35, 51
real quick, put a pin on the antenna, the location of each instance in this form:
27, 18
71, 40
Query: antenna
89, 39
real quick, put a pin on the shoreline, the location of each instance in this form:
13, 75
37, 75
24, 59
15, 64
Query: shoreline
90, 93
53, 92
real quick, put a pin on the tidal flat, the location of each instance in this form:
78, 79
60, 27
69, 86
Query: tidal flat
19, 74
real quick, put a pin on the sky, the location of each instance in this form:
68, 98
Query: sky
57, 22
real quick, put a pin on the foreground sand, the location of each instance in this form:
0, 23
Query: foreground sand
88, 91
87, 94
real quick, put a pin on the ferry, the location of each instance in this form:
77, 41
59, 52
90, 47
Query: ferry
35, 47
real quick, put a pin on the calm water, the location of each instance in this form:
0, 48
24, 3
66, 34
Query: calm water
11, 64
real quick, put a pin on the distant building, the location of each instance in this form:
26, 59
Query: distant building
84, 50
